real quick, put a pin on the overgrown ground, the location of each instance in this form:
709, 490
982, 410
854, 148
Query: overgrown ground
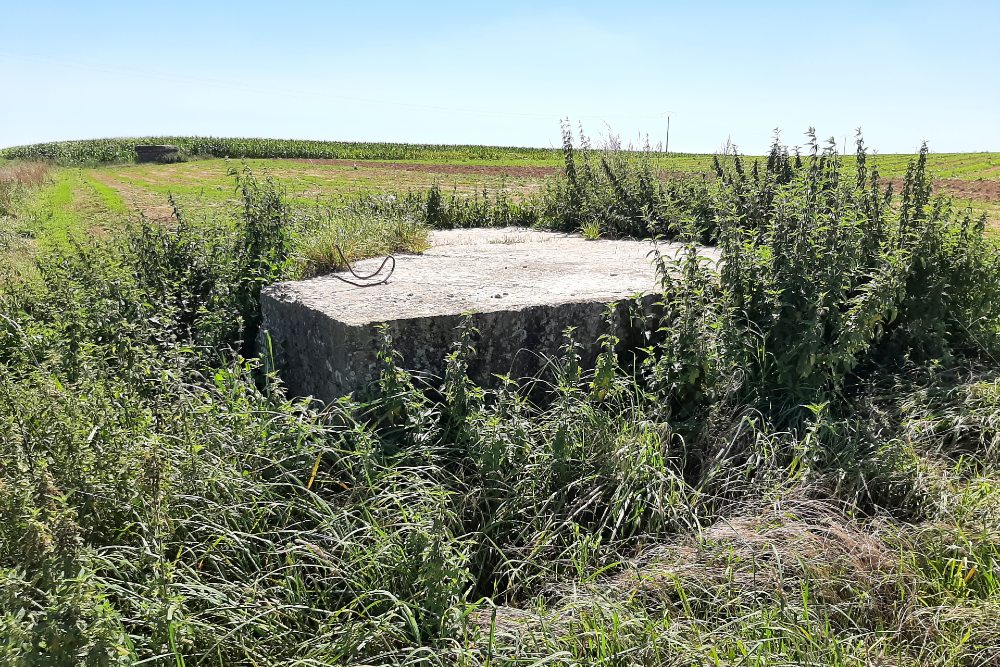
802, 466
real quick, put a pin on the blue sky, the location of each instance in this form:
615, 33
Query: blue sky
505, 72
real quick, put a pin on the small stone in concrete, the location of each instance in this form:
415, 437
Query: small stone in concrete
521, 289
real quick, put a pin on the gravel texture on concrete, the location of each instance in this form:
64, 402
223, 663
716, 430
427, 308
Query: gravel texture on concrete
521, 288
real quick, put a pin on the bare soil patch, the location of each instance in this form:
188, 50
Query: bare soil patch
984, 190
980, 190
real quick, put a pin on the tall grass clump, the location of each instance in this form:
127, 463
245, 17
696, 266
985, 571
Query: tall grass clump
481, 209
441, 210
16, 180
376, 225
359, 230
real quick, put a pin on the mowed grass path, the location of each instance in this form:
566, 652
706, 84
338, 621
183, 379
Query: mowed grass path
72, 205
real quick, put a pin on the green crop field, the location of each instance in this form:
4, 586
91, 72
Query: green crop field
799, 465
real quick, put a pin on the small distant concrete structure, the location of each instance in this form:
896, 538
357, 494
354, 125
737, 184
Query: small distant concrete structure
157, 153
521, 288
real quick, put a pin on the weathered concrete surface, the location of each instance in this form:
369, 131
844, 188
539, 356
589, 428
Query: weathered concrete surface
523, 288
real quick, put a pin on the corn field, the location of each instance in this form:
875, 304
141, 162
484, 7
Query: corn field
101, 151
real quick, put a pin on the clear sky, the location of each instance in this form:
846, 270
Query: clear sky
505, 72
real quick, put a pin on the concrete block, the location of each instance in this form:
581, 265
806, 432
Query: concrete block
523, 288
164, 153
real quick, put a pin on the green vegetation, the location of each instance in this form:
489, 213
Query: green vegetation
334, 238
110, 199
53, 209
802, 466
122, 150
612, 192
96, 151
16, 181
466, 177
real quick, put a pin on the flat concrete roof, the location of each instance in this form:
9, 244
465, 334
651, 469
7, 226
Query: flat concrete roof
485, 270
522, 289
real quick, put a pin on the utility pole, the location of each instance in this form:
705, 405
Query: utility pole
666, 146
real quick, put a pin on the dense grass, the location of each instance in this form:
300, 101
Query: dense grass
16, 180
18, 183
802, 466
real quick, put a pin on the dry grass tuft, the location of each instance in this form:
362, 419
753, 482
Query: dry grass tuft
352, 235
767, 555
898, 592
16, 179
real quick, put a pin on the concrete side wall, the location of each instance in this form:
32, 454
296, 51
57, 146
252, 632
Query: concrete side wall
321, 357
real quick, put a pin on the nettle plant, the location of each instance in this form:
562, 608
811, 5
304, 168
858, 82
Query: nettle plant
617, 192
820, 270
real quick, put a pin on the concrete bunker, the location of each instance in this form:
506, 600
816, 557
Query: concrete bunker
160, 153
521, 288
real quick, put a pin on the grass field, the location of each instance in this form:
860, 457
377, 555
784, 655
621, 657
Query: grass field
801, 465
83, 199
942, 165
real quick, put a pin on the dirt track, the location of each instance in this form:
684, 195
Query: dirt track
987, 191
150, 205
983, 190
